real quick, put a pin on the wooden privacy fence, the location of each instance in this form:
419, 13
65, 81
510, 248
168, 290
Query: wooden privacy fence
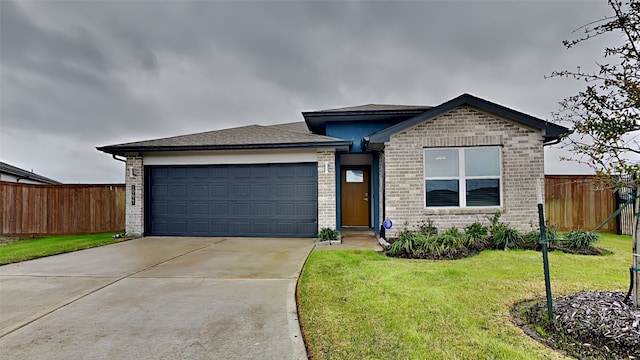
36, 210
581, 202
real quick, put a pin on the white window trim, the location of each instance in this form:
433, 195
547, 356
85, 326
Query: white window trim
462, 185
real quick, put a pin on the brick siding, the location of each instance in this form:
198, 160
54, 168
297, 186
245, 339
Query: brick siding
134, 224
522, 164
326, 189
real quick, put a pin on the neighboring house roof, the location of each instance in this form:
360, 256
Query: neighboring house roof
280, 136
24, 174
552, 131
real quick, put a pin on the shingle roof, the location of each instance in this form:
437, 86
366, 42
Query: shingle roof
24, 174
298, 126
377, 107
287, 135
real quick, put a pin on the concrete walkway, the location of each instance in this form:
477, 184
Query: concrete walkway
156, 298
354, 239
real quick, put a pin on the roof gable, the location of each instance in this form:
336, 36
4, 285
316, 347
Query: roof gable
552, 131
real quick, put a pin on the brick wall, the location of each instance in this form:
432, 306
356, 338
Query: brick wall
381, 184
522, 164
135, 216
326, 189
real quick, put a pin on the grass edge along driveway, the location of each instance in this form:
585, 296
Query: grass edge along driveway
363, 305
29, 249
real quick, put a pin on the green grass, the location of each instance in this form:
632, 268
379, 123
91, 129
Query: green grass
51, 245
363, 305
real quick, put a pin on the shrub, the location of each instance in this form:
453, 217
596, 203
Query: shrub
407, 244
476, 234
414, 244
505, 237
580, 239
427, 228
531, 240
502, 236
328, 234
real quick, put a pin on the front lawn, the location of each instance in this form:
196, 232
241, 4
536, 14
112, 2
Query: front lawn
364, 305
28, 249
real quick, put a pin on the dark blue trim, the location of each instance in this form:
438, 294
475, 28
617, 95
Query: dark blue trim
317, 121
552, 131
375, 191
338, 192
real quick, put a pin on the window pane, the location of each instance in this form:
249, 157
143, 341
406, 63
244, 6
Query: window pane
355, 176
482, 162
441, 162
483, 192
442, 193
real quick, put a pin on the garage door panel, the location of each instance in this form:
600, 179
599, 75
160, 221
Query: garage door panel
261, 209
198, 172
309, 227
199, 227
242, 190
218, 172
270, 200
219, 190
261, 191
178, 227
178, 208
261, 172
219, 228
199, 190
286, 190
160, 208
160, 227
286, 228
306, 210
285, 209
219, 208
200, 209
241, 172
178, 173
305, 190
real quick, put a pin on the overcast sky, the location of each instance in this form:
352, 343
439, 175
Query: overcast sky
81, 74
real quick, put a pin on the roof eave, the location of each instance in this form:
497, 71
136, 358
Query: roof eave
122, 150
317, 120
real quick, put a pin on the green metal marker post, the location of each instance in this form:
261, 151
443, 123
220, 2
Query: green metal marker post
545, 252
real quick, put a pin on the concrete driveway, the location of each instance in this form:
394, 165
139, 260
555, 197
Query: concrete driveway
156, 298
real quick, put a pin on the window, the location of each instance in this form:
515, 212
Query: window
356, 176
462, 177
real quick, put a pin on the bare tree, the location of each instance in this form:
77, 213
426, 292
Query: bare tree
606, 115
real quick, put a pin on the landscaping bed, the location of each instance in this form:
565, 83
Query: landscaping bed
426, 242
586, 325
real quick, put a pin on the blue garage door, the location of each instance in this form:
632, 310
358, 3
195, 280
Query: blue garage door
267, 200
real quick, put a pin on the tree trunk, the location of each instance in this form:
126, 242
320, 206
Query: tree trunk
636, 249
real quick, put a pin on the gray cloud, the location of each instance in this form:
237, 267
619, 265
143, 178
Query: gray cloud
75, 75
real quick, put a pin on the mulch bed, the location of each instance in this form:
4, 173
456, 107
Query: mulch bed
586, 325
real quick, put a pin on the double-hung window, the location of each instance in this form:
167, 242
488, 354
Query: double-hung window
463, 177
